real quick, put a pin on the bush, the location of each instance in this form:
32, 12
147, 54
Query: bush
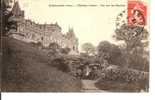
126, 75
126, 79
65, 50
138, 62
61, 64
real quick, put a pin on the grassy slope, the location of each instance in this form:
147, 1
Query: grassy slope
26, 69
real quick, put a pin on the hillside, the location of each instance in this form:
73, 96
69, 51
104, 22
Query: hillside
26, 69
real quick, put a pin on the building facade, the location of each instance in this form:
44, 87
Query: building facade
30, 31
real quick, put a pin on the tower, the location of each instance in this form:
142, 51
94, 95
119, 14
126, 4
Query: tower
70, 34
73, 41
17, 12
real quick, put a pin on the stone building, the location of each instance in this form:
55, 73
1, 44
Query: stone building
30, 31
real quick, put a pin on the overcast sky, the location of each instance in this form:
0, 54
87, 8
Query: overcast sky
91, 24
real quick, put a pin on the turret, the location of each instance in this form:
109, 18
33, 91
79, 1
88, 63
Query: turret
70, 33
17, 12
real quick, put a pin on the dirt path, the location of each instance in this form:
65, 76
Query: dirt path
89, 86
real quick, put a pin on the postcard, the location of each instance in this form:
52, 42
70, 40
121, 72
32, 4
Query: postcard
75, 46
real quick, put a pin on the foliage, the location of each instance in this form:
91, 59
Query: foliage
103, 51
65, 50
38, 44
131, 33
54, 45
88, 48
127, 75
111, 53
9, 21
139, 60
53, 49
133, 37
61, 64
124, 80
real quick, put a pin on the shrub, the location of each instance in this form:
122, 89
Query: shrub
126, 79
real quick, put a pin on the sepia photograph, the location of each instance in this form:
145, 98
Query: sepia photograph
84, 46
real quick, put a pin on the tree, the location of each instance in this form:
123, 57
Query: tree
88, 48
103, 52
8, 20
110, 53
132, 37
116, 55
103, 49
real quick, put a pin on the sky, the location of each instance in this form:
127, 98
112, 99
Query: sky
90, 24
